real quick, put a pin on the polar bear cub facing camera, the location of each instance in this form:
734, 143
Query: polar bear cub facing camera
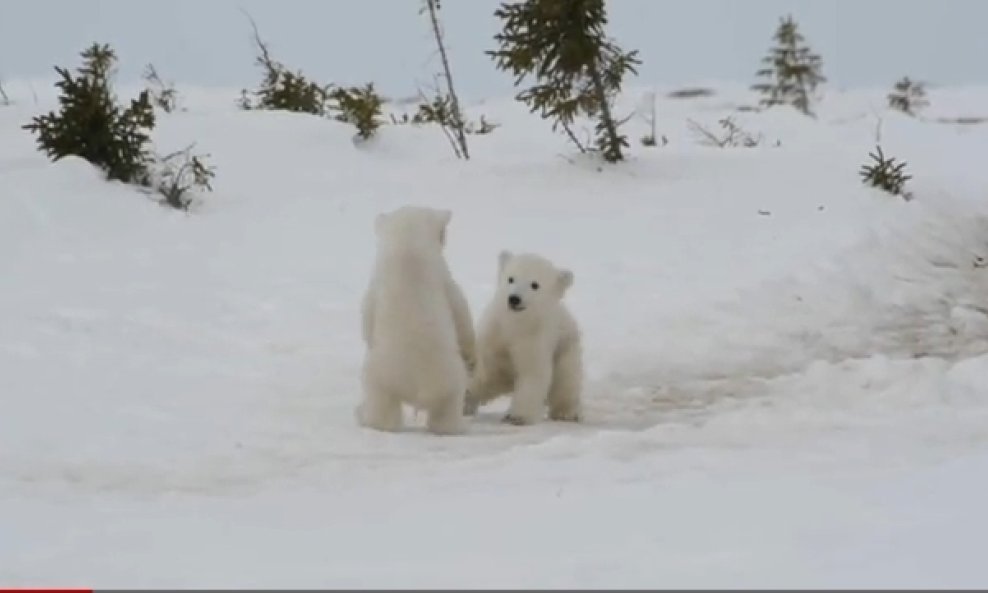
416, 326
528, 344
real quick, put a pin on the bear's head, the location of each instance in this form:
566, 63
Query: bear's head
413, 225
528, 282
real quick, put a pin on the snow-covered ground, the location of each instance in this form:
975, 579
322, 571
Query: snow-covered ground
787, 371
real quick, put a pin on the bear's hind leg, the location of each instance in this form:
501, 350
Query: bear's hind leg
380, 409
446, 414
567, 382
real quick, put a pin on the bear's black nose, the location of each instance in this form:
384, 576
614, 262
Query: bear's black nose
514, 300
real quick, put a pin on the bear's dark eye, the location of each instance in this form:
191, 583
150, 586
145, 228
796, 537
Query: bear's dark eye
535, 285
511, 279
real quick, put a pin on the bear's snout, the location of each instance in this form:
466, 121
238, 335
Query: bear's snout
514, 303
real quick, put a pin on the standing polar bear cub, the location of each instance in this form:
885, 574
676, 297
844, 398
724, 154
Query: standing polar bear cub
416, 326
528, 344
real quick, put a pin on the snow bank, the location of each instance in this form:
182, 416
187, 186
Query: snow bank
787, 369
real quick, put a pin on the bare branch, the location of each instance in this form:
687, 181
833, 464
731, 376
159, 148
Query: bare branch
705, 134
178, 183
734, 135
265, 58
164, 95
457, 123
442, 124
650, 118
625, 120
649, 139
573, 138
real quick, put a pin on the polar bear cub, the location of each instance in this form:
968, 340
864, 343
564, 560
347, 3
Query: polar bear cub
416, 326
528, 344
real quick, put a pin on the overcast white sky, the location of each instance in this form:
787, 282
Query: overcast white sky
863, 43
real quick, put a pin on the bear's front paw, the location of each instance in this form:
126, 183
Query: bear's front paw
516, 420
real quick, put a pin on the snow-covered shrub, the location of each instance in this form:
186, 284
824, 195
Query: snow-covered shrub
180, 177
438, 111
244, 102
283, 89
91, 125
163, 95
359, 106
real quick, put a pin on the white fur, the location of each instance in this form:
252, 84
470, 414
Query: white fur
534, 354
416, 325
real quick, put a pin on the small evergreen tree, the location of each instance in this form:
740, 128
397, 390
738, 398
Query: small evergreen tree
908, 96
578, 69
885, 174
291, 91
360, 106
791, 70
91, 125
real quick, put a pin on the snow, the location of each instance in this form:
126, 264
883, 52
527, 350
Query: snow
787, 370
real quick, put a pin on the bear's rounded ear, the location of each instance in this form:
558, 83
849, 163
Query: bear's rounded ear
502, 258
565, 280
444, 217
379, 221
